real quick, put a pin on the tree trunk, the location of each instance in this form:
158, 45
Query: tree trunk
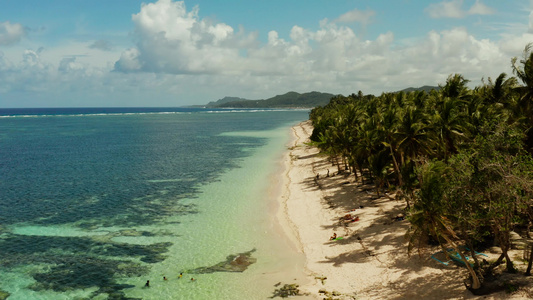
362, 176
497, 262
354, 169
505, 245
476, 284
396, 167
345, 161
529, 263
508, 263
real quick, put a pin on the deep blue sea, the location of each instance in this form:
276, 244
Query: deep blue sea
96, 201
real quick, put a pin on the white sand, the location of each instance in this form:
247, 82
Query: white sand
371, 261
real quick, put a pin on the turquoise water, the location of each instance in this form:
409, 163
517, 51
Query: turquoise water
95, 203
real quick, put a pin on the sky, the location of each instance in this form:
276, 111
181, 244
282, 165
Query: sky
166, 53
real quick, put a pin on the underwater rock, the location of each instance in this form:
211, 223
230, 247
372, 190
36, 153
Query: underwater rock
114, 292
233, 263
134, 232
152, 259
4, 295
129, 232
286, 290
79, 262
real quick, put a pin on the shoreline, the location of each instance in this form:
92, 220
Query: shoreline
371, 259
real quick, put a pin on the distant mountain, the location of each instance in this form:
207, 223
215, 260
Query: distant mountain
224, 100
288, 100
425, 88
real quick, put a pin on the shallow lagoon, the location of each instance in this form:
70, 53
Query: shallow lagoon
98, 204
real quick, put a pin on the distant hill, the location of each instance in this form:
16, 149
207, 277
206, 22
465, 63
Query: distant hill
288, 100
425, 88
224, 100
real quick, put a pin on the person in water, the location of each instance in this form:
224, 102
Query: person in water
164, 278
181, 275
147, 283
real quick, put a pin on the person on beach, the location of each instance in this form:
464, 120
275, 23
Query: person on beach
147, 283
334, 236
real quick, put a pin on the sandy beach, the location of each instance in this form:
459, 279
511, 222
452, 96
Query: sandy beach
371, 259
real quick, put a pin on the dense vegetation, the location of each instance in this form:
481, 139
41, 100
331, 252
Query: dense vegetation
288, 100
460, 158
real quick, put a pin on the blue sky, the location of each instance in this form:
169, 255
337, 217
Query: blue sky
74, 53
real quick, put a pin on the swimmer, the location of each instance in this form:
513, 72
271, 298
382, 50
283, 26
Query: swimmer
181, 275
164, 278
192, 279
147, 283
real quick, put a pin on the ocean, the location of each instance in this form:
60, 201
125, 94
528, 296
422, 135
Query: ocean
95, 202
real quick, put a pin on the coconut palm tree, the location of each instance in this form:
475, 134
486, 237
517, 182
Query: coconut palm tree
387, 121
448, 124
414, 142
379, 164
499, 99
455, 87
429, 214
524, 72
412, 135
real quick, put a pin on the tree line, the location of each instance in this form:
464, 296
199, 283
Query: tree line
460, 158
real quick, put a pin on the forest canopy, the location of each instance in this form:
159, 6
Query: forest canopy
460, 158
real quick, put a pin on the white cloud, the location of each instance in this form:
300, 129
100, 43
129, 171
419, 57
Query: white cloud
530, 25
480, 9
174, 41
103, 45
356, 15
180, 58
446, 9
129, 61
69, 65
513, 45
11, 33
454, 9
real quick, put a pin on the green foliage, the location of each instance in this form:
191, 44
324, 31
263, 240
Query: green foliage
462, 157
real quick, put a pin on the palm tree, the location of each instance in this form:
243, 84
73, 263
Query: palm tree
365, 145
498, 97
524, 72
455, 87
412, 135
414, 142
387, 126
379, 164
449, 125
501, 89
429, 215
